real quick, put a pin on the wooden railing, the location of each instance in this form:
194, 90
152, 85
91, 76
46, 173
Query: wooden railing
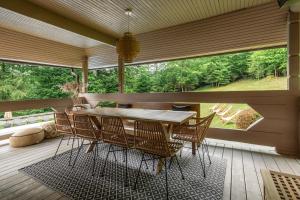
278, 128
34, 104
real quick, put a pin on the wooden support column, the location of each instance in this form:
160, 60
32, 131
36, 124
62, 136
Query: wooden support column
293, 52
85, 72
121, 74
293, 70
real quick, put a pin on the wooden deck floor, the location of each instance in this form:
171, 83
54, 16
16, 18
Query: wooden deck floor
243, 179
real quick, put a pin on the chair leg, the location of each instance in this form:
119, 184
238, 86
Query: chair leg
97, 150
137, 177
180, 169
126, 170
68, 140
71, 151
166, 174
146, 164
123, 155
207, 151
78, 143
102, 172
58, 147
153, 163
78, 153
202, 164
114, 153
170, 162
181, 149
94, 159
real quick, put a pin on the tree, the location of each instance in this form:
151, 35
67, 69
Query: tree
268, 62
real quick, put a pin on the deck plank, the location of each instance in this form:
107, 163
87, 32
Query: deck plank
251, 179
228, 152
242, 179
258, 164
238, 178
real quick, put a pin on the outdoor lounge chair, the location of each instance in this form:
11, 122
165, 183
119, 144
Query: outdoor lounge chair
220, 108
222, 113
215, 106
231, 117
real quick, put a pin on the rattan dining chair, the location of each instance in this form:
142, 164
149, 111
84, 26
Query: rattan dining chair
113, 133
64, 127
87, 131
195, 132
150, 139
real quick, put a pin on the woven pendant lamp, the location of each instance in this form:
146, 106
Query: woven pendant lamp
128, 47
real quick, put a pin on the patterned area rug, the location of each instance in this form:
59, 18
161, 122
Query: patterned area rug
78, 183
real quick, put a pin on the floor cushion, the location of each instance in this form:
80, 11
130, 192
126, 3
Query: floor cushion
26, 137
50, 130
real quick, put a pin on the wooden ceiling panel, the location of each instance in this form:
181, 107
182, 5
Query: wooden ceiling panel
258, 27
108, 15
17, 22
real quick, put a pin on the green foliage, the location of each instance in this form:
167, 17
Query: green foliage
215, 71
103, 81
22, 81
268, 62
37, 82
109, 104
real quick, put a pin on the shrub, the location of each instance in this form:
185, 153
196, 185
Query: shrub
246, 118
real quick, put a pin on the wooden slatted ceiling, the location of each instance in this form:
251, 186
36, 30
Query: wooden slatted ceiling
253, 28
21, 23
148, 15
22, 47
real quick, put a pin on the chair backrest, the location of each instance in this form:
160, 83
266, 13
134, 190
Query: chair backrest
150, 137
204, 125
62, 123
113, 131
83, 127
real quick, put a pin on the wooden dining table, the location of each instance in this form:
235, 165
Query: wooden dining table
168, 117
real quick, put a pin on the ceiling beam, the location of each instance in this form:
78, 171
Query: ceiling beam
32, 10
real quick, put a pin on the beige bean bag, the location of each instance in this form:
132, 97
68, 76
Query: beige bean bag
26, 137
50, 130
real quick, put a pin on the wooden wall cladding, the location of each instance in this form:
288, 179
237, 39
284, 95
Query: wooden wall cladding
22, 47
253, 28
278, 128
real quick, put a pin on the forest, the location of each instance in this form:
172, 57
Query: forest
191, 74
24, 81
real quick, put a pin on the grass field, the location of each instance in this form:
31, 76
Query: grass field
269, 83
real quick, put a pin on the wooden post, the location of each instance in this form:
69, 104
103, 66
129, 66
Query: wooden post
121, 74
85, 72
293, 70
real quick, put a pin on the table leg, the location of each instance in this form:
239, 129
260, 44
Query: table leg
91, 147
161, 161
194, 147
159, 166
97, 124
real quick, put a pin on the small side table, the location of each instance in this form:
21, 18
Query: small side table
280, 186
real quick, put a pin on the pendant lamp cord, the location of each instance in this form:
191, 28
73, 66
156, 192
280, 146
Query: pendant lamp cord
128, 18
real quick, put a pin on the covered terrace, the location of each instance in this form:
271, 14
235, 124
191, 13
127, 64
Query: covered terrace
83, 34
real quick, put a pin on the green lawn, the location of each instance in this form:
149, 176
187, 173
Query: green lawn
268, 83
